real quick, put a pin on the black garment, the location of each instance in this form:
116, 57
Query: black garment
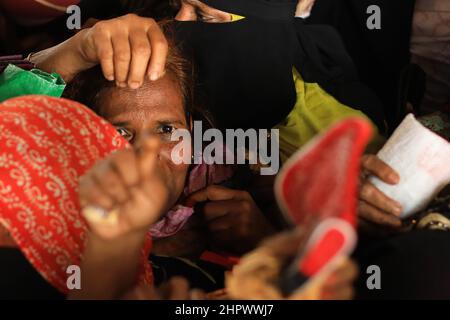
245, 69
157, 9
20, 281
414, 265
266, 9
381, 56
11, 34
245, 75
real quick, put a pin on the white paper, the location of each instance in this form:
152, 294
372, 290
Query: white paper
422, 158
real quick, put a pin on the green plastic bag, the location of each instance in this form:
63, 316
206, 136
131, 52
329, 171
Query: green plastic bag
15, 82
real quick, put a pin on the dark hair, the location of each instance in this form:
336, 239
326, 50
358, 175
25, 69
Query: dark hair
88, 86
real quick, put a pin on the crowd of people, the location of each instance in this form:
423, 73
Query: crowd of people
88, 179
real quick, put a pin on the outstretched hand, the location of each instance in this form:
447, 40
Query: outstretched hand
124, 193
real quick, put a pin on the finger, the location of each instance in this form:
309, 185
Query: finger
159, 51
376, 216
240, 211
217, 209
148, 156
372, 195
110, 182
105, 54
104, 51
216, 193
125, 164
122, 58
91, 194
380, 169
140, 56
219, 224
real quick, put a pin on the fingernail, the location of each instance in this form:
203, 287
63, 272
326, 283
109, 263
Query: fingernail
121, 84
394, 178
135, 85
398, 209
154, 76
109, 77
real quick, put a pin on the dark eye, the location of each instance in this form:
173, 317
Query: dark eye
165, 132
166, 129
125, 133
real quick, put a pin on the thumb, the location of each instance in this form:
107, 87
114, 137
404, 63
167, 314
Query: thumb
148, 152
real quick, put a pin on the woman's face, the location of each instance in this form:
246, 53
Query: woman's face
154, 109
195, 10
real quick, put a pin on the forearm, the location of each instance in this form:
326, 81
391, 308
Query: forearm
109, 267
65, 58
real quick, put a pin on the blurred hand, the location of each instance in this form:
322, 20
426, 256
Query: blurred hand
340, 284
374, 206
124, 193
255, 277
175, 289
337, 286
235, 223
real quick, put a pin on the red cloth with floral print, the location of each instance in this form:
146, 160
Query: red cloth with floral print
46, 144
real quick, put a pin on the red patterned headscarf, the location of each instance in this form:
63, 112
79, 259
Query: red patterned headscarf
46, 145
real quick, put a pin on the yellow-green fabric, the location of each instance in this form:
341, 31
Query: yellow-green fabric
314, 112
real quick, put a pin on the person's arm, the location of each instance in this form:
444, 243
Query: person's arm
109, 267
128, 48
64, 58
119, 217
258, 273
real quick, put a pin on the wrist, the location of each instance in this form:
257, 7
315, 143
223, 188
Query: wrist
118, 243
66, 58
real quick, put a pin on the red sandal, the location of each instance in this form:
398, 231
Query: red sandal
321, 180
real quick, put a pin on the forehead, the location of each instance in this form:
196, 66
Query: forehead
162, 97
